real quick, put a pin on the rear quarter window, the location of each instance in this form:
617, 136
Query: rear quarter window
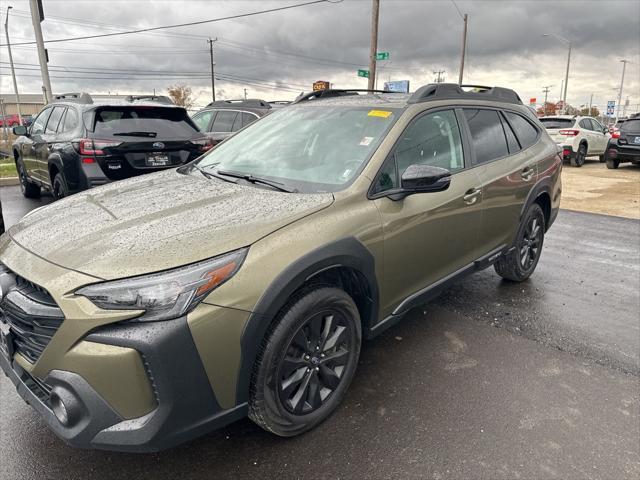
527, 134
161, 122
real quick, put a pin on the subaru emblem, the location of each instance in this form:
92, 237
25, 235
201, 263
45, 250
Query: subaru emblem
158, 145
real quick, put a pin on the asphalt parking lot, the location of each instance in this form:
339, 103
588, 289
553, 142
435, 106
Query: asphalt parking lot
490, 380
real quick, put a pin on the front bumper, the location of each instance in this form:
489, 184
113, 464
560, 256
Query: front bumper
186, 405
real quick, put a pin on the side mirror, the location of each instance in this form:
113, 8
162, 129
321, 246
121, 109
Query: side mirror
605, 130
421, 179
20, 130
425, 178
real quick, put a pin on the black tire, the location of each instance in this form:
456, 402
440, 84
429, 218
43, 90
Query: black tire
613, 164
520, 263
28, 189
580, 157
59, 187
602, 158
295, 384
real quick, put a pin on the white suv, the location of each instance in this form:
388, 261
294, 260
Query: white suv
579, 137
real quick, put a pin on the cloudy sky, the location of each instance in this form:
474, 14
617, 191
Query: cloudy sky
278, 55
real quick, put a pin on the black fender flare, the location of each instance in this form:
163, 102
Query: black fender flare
544, 185
347, 252
55, 160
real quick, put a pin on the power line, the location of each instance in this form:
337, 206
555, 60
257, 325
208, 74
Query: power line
179, 25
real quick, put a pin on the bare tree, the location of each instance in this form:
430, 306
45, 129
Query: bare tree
181, 95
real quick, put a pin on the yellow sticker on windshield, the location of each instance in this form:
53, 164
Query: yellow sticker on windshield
379, 113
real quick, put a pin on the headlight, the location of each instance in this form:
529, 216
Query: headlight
167, 294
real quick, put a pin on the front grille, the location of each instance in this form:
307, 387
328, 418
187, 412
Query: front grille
32, 314
38, 387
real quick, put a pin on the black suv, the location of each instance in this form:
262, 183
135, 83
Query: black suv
624, 145
222, 118
76, 143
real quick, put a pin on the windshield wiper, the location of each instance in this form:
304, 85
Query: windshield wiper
253, 179
136, 134
211, 175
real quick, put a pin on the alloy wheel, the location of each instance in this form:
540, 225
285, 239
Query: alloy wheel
314, 362
530, 244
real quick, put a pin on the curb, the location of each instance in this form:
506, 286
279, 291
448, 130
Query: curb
9, 181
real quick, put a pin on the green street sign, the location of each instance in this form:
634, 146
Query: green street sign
382, 56
363, 73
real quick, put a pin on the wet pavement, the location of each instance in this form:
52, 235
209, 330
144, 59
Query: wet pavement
490, 380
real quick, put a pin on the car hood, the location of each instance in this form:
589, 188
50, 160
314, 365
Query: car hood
157, 221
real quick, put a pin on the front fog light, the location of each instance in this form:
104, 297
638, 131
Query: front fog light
59, 409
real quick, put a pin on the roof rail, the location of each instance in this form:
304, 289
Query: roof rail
450, 91
332, 92
248, 103
149, 98
76, 97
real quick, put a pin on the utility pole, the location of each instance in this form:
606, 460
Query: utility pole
37, 16
566, 82
213, 78
245, 93
624, 66
375, 15
440, 77
546, 91
13, 72
464, 48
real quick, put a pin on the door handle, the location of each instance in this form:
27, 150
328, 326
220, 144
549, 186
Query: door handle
471, 195
527, 173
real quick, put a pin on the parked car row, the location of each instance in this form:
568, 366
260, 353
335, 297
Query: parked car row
243, 283
582, 137
14, 120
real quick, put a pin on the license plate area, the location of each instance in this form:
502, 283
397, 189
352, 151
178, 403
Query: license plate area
636, 140
157, 160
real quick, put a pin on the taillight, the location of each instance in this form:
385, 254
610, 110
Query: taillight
569, 133
205, 143
89, 146
566, 152
615, 134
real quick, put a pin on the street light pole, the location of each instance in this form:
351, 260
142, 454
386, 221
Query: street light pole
464, 49
566, 76
624, 66
13, 72
375, 15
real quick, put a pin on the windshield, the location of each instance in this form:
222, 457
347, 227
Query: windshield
306, 148
551, 123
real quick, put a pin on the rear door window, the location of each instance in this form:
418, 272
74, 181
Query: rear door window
487, 134
224, 121
70, 121
143, 121
585, 123
527, 134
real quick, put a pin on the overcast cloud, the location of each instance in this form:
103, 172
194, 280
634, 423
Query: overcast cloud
288, 50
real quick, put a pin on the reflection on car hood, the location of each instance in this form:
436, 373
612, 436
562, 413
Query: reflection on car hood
158, 221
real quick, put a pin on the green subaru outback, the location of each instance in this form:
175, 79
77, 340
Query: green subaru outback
141, 314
